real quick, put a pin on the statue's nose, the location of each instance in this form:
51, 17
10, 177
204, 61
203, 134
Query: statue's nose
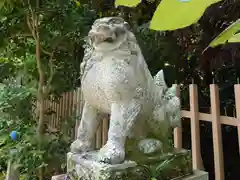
103, 28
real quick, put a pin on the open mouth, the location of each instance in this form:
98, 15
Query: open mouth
108, 40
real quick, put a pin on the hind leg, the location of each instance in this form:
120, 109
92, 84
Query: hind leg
86, 130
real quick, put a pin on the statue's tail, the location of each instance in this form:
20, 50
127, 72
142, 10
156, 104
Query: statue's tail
167, 100
173, 106
160, 81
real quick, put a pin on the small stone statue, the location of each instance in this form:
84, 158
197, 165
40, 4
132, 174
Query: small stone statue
117, 81
12, 170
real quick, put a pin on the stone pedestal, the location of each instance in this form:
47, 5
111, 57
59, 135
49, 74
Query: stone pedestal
197, 175
165, 167
176, 165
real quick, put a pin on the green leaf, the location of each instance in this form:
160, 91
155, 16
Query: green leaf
176, 14
227, 34
235, 38
3, 139
128, 3
78, 4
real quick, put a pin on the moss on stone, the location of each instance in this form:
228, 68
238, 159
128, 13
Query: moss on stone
165, 167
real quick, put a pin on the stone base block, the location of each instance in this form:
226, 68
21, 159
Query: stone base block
85, 167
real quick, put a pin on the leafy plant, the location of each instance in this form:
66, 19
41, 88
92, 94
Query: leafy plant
132, 3
174, 14
16, 113
230, 34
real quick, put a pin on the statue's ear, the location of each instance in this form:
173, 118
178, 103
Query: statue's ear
173, 89
159, 79
127, 26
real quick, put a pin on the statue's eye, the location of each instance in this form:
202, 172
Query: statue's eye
127, 26
115, 21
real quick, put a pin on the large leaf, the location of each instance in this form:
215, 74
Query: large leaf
176, 14
235, 38
129, 3
227, 34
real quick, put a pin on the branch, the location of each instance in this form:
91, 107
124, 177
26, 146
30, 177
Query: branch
31, 28
20, 35
46, 52
47, 91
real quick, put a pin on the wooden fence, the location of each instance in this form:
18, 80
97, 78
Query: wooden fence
71, 102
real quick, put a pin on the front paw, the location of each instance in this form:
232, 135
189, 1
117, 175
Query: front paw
79, 146
111, 154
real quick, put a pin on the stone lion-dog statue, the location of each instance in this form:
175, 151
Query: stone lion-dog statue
116, 80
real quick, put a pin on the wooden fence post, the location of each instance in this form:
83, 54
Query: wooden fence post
105, 130
99, 135
79, 106
177, 133
216, 132
237, 103
195, 128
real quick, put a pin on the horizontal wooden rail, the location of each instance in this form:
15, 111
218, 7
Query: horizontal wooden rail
226, 120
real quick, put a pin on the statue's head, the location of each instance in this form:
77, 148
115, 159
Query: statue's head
108, 33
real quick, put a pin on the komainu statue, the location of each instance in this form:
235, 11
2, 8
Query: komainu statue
117, 81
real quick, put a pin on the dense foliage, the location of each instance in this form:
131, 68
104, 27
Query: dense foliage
16, 113
62, 28
38, 60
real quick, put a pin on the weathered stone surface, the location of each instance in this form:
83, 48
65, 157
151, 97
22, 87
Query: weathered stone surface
172, 165
85, 167
60, 177
148, 146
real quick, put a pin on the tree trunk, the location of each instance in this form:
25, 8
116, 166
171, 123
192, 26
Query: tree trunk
40, 96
